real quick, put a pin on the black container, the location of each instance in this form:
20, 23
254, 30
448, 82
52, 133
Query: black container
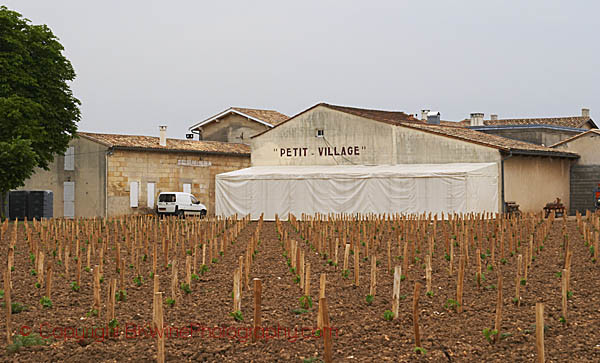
18, 204
40, 204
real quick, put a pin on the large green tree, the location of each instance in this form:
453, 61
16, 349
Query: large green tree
38, 112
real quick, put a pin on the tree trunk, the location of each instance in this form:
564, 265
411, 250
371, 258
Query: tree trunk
2, 205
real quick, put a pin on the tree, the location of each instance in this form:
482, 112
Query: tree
38, 112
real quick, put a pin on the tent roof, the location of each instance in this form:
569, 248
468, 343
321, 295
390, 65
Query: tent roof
360, 171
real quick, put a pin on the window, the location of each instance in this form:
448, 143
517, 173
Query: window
320, 133
194, 200
187, 188
70, 158
133, 194
69, 199
166, 198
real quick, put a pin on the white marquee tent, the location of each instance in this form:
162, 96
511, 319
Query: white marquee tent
351, 189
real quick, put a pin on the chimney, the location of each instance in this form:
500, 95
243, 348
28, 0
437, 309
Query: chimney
585, 112
494, 117
424, 115
433, 118
163, 135
477, 119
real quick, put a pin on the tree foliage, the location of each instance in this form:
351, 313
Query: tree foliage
38, 112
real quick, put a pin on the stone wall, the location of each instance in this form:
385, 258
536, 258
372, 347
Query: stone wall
533, 181
349, 139
584, 179
88, 175
539, 136
169, 171
232, 128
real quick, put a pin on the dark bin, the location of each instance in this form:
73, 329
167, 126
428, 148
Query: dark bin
40, 204
18, 204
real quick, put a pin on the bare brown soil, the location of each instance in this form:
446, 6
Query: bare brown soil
361, 334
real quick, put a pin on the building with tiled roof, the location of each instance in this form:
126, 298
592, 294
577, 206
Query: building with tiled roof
237, 124
152, 143
585, 173
542, 131
330, 135
111, 174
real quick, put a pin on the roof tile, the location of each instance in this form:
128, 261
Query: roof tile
151, 142
570, 121
447, 129
271, 116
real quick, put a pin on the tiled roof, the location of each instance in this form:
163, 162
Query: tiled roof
572, 121
593, 131
454, 131
391, 117
271, 116
497, 142
151, 142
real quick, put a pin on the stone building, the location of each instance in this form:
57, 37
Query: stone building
237, 124
545, 131
585, 174
108, 175
332, 136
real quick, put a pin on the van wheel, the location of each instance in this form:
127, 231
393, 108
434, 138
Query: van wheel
203, 213
180, 214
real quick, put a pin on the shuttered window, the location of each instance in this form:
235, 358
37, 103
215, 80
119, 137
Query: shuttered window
133, 194
150, 187
70, 158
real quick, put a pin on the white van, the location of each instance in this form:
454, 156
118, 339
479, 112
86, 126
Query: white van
179, 204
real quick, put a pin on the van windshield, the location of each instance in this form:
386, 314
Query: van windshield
166, 198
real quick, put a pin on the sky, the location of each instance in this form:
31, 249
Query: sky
141, 64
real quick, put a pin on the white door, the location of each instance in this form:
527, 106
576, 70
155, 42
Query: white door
150, 187
187, 188
133, 194
69, 199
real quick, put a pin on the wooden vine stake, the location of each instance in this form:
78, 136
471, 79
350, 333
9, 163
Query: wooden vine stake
459, 285
257, 309
97, 301
346, 253
428, 271
373, 276
155, 291
564, 290
237, 290
49, 280
321, 296
451, 262
188, 271
356, 265
174, 280
78, 268
416, 315
518, 280
389, 256
326, 330
396, 290
7, 305
539, 332
307, 279
498, 321
158, 318
111, 300
478, 256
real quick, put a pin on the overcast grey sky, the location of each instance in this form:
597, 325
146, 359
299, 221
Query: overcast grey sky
144, 63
